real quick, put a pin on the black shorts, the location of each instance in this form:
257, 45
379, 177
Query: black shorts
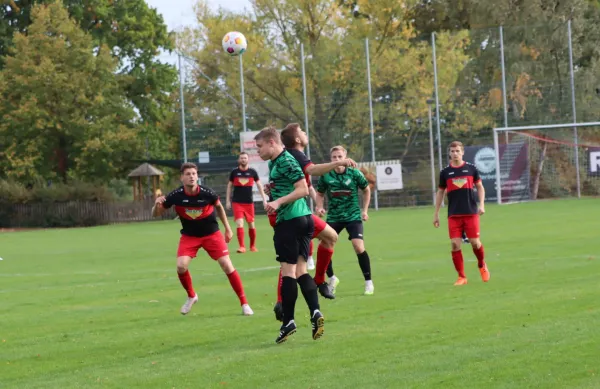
292, 238
354, 228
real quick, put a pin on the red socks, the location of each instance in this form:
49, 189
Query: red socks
323, 258
480, 255
459, 264
279, 283
186, 282
252, 233
238, 288
240, 236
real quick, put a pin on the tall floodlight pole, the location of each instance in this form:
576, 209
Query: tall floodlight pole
242, 92
181, 102
575, 136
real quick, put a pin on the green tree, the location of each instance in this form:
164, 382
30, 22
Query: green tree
334, 41
134, 33
64, 111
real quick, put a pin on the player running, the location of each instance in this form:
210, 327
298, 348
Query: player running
458, 179
242, 179
341, 188
293, 231
197, 207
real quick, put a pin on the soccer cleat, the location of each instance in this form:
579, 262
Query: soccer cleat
485, 273
369, 288
333, 283
246, 310
310, 263
325, 291
318, 324
253, 249
278, 309
461, 281
241, 250
286, 331
187, 307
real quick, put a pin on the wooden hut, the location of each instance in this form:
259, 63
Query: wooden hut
144, 170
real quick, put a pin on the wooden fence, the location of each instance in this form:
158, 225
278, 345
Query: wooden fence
76, 214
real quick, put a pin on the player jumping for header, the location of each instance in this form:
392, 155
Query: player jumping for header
293, 231
197, 207
459, 179
341, 187
242, 179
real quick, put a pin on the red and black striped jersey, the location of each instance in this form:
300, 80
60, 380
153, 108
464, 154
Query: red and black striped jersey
459, 182
196, 211
243, 181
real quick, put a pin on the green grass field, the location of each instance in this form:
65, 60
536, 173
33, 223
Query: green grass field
99, 307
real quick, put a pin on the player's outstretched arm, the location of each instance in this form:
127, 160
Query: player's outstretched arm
158, 208
300, 191
324, 168
439, 197
223, 217
228, 195
366, 203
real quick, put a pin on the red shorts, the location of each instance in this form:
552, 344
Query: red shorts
319, 223
243, 211
214, 244
467, 223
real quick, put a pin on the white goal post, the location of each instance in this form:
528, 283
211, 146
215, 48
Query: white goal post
547, 154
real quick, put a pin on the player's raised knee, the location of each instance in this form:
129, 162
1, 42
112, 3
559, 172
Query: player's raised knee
475, 242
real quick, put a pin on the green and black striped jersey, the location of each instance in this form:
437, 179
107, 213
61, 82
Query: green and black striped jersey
341, 190
284, 172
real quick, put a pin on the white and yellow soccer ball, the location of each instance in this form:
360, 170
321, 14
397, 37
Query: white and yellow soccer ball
234, 43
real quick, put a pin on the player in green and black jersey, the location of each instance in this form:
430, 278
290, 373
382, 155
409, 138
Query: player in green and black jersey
293, 231
341, 187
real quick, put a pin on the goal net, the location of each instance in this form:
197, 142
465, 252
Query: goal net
546, 162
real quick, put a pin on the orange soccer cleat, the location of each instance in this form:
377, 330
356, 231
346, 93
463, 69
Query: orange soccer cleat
461, 281
241, 250
253, 249
485, 273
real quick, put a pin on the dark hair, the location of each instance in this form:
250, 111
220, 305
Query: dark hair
268, 134
242, 153
456, 144
188, 165
289, 134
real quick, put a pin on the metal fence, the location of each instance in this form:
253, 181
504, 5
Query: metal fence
403, 99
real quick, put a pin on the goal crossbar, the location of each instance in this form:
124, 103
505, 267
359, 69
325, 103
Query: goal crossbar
576, 144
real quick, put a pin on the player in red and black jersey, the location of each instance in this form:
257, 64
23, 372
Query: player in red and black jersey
198, 208
242, 180
458, 180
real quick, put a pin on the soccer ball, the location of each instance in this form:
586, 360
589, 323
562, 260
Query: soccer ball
234, 43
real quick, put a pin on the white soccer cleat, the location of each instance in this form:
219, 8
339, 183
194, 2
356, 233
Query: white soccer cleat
310, 263
187, 307
333, 283
369, 288
246, 310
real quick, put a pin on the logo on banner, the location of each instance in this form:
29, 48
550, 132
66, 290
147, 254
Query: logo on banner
594, 158
485, 160
388, 170
460, 182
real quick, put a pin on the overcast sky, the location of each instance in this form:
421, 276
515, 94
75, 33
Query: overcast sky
180, 13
